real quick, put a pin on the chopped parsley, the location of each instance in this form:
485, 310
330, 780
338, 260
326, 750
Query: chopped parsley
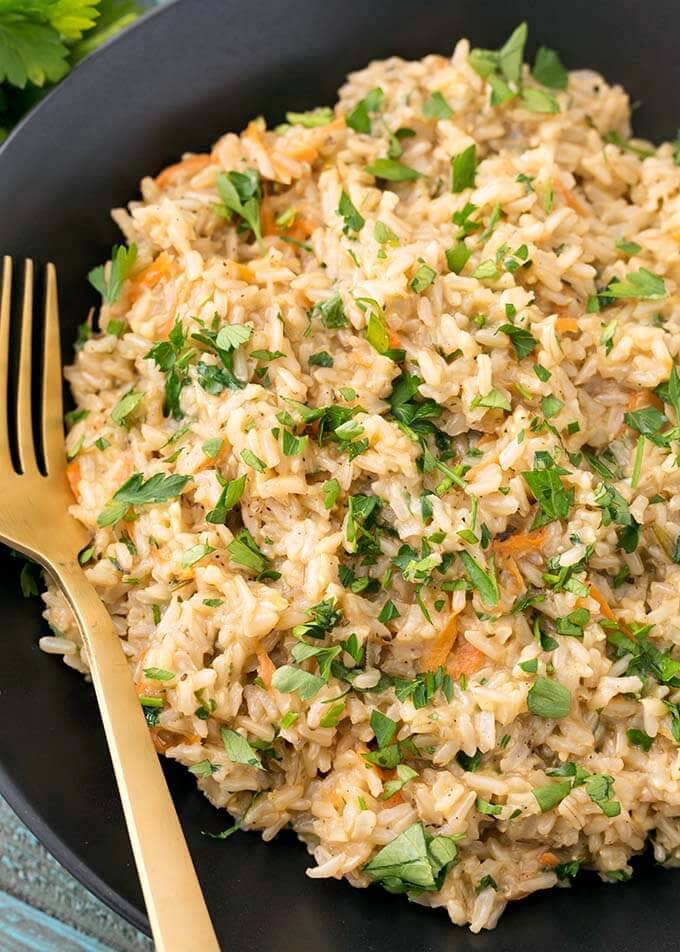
241, 194
122, 262
413, 862
549, 699
391, 170
353, 220
135, 491
463, 169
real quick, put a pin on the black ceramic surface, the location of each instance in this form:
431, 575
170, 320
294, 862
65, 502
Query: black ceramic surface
174, 83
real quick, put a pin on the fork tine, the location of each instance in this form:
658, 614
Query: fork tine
52, 412
5, 301
24, 419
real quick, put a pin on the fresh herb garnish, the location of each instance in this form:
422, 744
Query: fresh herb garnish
122, 262
241, 194
135, 491
549, 699
413, 862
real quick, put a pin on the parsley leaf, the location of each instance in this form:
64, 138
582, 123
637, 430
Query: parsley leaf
392, 171
135, 491
241, 194
554, 501
485, 582
548, 69
549, 699
239, 750
436, 107
359, 118
231, 494
122, 262
244, 551
642, 284
353, 220
522, 340
463, 169
311, 119
413, 862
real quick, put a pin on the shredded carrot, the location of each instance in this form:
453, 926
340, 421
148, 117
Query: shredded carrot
566, 325
305, 152
151, 275
513, 568
245, 273
267, 217
605, 607
601, 601
187, 167
465, 659
395, 340
394, 800
163, 740
548, 859
644, 398
265, 668
440, 648
568, 196
73, 475
521, 543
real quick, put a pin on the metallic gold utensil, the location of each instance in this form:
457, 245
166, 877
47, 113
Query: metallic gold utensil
34, 519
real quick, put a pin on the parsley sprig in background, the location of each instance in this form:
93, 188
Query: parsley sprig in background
41, 41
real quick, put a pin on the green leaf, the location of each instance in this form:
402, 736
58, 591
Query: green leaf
203, 769
250, 459
413, 861
31, 50
522, 340
628, 247
487, 271
136, 492
231, 336
239, 750
549, 70
392, 171
195, 554
122, 262
642, 284
353, 220
646, 420
359, 117
244, 551
293, 445
331, 312
436, 107
158, 674
388, 612
383, 727
423, 278
333, 715
484, 582
551, 406
493, 400
640, 739
463, 169
404, 774
549, 699
511, 54
241, 194
321, 359
457, 257
378, 337
289, 679
553, 499
312, 119
212, 447
551, 794
538, 100
331, 492
231, 494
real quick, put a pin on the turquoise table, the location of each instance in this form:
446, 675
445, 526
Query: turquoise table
44, 909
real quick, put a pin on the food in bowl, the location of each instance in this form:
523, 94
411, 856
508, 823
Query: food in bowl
377, 442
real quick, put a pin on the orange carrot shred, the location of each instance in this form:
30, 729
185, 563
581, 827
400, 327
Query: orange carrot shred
465, 659
521, 543
566, 325
440, 648
73, 476
265, 668
548, 859
189, 166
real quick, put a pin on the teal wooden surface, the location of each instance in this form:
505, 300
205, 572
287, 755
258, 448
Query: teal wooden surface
44, 909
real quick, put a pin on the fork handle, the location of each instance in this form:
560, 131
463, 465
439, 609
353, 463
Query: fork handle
174, 901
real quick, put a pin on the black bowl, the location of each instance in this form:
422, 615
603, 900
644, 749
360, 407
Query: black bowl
174, 83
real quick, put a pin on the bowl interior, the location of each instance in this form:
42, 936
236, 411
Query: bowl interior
173, 84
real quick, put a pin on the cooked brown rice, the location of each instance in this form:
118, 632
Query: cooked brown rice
527, 361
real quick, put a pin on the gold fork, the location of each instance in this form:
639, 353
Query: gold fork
34, 519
